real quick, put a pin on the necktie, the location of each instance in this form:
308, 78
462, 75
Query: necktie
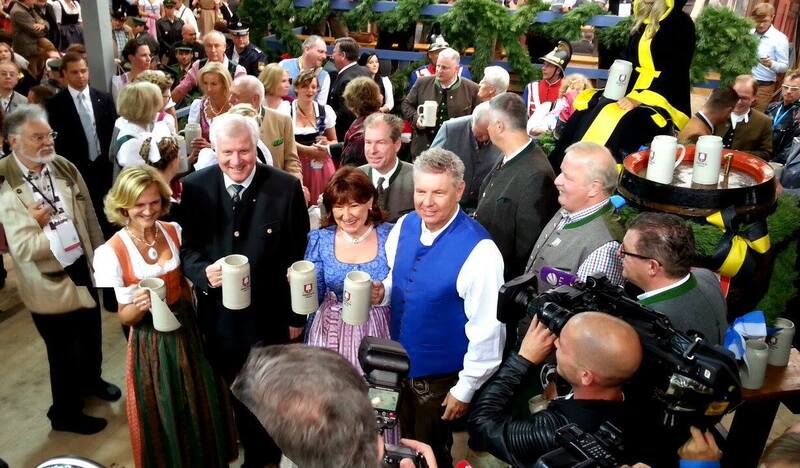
382, 193
88, 128
237, 190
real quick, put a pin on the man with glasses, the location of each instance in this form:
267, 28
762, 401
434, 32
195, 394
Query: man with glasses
784, 114
657, 253
52, 232
748, 129
9, 77
583, 236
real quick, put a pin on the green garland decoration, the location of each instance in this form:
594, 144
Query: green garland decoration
314, 14
617, 35
781, 284
547, 141
724, 44
358, 18
724, 41
569, 25
408, 12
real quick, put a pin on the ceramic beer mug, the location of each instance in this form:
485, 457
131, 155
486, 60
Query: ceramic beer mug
356, 297
662, 161
780, 344
707, 160
183, 161
190, 132
303, 286
427, 113
163, 318
755, 367
618, 77
235, 282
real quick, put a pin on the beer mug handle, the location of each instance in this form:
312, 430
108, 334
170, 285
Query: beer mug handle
683, 154
420, 110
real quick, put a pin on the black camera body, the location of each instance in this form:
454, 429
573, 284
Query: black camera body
385, 364
689, 380
580, 449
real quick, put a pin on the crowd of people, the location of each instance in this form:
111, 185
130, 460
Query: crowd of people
297, 160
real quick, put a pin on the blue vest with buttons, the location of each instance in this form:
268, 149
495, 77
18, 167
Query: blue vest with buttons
427, 313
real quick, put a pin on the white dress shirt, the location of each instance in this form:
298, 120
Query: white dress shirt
478, 282
376, 174
506, 159
87, 100
229, 183
736, 118
775, 45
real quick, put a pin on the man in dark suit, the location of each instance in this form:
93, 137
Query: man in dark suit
468, 138
84, 117
748, 129
393, 178
241, 207
519, 196
345, 55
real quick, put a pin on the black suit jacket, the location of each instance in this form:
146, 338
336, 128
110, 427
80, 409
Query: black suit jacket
516, 202
71, 142
270, 228
344, 118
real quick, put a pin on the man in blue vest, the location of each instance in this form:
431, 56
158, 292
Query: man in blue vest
445, 274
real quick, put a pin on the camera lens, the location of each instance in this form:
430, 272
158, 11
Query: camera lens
554, 317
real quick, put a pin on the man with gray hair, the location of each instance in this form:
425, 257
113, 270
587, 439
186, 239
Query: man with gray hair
518, 196
52, 233
454, 95
495, 82
445, 273
468, 137
314, 54
214, 44
583, 237
276, 128
257, 211
316, 405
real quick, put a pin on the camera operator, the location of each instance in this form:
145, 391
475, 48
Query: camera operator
596, 353
656, 253
315, 406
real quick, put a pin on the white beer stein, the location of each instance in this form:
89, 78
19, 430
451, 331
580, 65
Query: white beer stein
662, 161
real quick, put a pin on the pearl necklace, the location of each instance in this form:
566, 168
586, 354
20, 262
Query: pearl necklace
359, 239
152, 253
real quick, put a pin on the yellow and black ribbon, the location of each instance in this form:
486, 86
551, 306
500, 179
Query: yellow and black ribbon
739, 244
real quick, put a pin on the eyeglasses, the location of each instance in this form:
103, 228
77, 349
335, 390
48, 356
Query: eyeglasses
623, 254
790, 88
41, 137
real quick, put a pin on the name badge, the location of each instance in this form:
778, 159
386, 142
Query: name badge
67, 234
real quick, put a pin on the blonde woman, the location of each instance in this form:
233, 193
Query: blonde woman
276, 82
137, 131
178, 410
215, 83
164, 83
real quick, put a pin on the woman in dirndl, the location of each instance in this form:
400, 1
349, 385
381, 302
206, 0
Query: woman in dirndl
179, 414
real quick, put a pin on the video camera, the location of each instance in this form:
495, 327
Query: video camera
690, 380
385, 364
579, 449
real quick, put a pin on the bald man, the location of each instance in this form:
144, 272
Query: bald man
595, 352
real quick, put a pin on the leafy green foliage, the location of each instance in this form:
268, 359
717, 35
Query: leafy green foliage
617, 35
547, 141
407, 13
781, 284
314, 14
275, 16
724, 44
358, 18
569, 26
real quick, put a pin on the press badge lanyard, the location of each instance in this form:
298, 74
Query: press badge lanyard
36, 189
780, 115
8, 106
